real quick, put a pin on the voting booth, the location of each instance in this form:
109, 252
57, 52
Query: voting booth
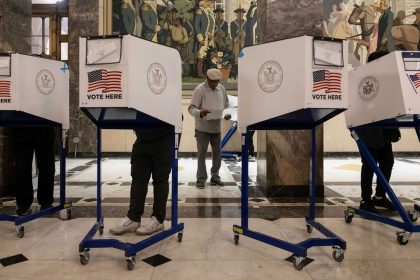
296, 83
34, 91
385, 93
130, 83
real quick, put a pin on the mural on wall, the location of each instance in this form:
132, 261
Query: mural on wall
372, 25
208, 33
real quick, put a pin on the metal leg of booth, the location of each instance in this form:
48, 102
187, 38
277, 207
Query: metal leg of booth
299, 250
407, 217
130, 249
64, 208
225, 139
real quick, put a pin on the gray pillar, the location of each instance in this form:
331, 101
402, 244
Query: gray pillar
284, 156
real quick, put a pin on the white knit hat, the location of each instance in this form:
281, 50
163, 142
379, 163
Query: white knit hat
214, 74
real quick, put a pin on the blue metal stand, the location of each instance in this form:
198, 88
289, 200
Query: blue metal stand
20, 220
299, 250
407, 217
129, 249
226, 139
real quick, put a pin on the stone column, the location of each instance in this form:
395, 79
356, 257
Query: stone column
15, 36
83, 21
284, 156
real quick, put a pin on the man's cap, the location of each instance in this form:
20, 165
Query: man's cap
218, 10
214, 74
240, 10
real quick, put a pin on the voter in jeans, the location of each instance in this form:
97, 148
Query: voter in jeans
207, 106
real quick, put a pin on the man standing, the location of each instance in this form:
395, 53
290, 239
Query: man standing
212, 22
237, 31
152, 156
201, 24
149, 17
207, 105
251, 26
221, 31
131, 19
386, 21
188, 55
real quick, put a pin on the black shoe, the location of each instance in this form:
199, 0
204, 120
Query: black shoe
217, 182
383, 202
23, 212
199, 185
368, 207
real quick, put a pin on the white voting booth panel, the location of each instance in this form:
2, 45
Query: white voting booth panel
278, 78
35, 86
130, 72
383, 89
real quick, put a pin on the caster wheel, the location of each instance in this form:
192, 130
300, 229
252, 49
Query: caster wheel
403, 237
101, 230
348, 217
298, 262
413, 216
309, 228
338, 254
180, 234
20, 231
236, 239
84, 258
131, 263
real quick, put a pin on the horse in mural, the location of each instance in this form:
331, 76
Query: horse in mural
406, 36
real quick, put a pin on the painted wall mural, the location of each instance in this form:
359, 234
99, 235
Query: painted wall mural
208, 33
372, 25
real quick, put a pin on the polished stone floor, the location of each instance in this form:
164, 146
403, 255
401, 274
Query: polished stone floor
208, 251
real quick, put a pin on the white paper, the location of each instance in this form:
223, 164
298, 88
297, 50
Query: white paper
412, 64
329, 53
5, 62
215, 115
96, 54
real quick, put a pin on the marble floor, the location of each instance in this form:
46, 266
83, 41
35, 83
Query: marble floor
50, 246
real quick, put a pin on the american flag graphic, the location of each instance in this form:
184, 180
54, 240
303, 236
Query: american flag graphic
327, 80
107, 81
5, 89
415, 80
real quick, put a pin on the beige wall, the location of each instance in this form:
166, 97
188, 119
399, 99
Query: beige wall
336, 136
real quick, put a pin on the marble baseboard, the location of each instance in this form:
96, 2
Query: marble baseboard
290, 191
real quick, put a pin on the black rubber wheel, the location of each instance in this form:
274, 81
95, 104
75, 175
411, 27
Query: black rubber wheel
20, 232
236, 239
401, 240
338, 255
309, 228
131, 264
68, 213
101, 230
84, 258
413, 217
297, 263
180, 234
348, 218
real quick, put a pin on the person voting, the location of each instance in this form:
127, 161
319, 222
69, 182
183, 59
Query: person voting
207, 105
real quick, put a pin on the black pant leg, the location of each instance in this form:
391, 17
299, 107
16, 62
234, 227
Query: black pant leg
386, 162
141, 169
44, 153
163, 155
23, 149
367, 175
251, 148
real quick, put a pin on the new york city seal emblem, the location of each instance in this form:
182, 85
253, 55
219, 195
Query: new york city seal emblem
270, 76
368, 88
45, 82
156, 78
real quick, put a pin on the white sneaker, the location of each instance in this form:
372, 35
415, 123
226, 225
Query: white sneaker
151, 227
125, 226
251, 158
